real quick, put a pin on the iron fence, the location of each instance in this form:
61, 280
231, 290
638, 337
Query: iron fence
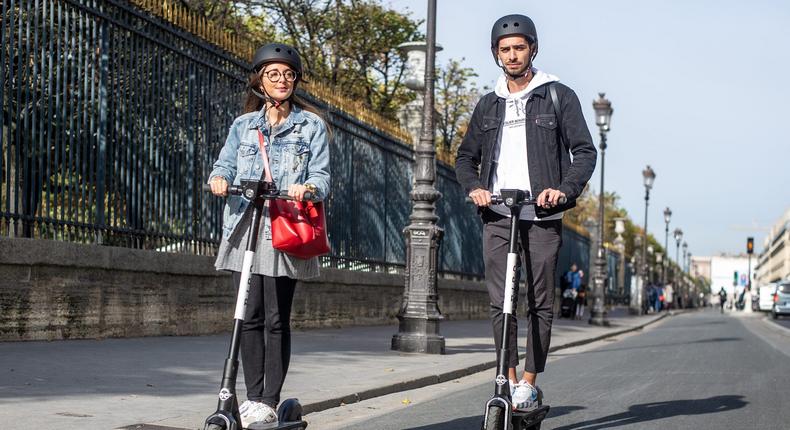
112, 118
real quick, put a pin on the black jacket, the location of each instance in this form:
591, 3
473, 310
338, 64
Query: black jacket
550, 163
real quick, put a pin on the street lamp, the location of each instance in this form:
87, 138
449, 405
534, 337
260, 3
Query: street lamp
660, 259
419, 316
637, 285
678, 235
649, 176
650, 266
603, 115
667, 216
619, 243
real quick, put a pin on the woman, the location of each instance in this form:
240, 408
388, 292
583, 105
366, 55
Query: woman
280, 139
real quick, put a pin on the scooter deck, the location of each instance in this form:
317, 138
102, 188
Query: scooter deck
523, 420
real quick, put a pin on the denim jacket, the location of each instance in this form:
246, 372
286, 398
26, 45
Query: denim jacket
298, 154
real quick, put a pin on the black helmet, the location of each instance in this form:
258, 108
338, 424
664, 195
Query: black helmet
510, 25
277, 52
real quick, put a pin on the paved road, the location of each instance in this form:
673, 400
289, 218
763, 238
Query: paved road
695, 371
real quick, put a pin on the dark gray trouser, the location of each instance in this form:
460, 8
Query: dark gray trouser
543, 240
266, 336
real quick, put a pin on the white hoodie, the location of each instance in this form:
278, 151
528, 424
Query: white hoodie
512, 169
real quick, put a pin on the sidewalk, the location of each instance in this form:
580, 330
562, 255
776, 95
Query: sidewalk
168, 382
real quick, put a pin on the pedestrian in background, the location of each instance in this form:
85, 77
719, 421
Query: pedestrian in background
669, 296
581, 300
279, 139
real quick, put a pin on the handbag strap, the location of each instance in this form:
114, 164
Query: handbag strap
262, 144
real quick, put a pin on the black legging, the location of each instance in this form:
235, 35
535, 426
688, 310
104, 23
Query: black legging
266, 336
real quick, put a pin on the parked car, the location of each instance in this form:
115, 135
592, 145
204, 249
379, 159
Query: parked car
781, 300
765, 297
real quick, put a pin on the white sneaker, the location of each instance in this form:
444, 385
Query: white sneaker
257, 415
524, 395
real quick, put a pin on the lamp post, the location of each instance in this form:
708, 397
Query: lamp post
603, 115
648, 175
660, 259
678, 235
410, 115
637, 282
667, 216
619, 243
419, 316
650, 266
683, 261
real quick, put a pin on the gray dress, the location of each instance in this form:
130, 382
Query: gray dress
268, 261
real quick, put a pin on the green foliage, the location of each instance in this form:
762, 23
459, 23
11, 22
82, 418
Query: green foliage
587, 210
456, 96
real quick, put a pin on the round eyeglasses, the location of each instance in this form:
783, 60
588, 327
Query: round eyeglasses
275, 75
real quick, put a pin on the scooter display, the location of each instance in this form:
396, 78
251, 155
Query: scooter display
499, 413
227, 417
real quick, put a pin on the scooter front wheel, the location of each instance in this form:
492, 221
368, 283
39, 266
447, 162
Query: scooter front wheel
496, 418
214, 427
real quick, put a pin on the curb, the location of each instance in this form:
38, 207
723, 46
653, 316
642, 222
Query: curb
768, 320
450, 375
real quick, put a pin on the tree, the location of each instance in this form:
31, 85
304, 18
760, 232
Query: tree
587, 208
455, 100
346, 44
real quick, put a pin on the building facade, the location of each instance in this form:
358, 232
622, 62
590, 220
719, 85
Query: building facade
774, 261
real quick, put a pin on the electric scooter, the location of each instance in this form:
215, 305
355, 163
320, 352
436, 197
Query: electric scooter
227, 417
499, 413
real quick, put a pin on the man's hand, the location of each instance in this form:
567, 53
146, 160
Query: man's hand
481, 197
219, 186
549, 198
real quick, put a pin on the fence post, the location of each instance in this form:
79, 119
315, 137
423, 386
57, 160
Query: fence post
101, 224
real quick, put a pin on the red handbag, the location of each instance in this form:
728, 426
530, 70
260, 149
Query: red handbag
298, 228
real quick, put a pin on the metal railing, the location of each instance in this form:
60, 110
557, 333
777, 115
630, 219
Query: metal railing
111, 121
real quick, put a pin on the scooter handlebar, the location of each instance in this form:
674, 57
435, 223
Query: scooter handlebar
237, 190
497, 200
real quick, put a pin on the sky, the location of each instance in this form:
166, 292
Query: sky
699, 93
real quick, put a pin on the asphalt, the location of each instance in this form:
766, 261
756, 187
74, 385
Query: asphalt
701, 371
171, 382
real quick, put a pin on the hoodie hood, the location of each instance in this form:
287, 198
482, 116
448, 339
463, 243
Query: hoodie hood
539, 78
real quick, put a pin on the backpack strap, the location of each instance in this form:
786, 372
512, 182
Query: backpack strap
558, 113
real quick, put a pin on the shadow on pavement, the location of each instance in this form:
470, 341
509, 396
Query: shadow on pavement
456, 424
659, 410
563, 410
475, 422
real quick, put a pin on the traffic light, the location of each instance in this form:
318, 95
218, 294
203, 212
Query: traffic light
750, 245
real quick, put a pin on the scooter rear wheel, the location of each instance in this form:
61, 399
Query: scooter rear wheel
496, 418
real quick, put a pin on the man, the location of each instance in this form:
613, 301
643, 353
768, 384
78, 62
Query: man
516, 141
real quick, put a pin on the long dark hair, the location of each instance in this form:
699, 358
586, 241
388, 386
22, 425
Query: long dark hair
253, 103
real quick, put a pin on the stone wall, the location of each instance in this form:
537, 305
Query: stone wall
56, 290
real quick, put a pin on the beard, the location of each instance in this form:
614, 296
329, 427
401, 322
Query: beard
519, 73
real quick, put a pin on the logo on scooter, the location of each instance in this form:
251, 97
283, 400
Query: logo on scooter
501, 380
225, 394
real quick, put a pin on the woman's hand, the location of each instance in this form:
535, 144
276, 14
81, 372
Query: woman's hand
219, 186
296, 191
